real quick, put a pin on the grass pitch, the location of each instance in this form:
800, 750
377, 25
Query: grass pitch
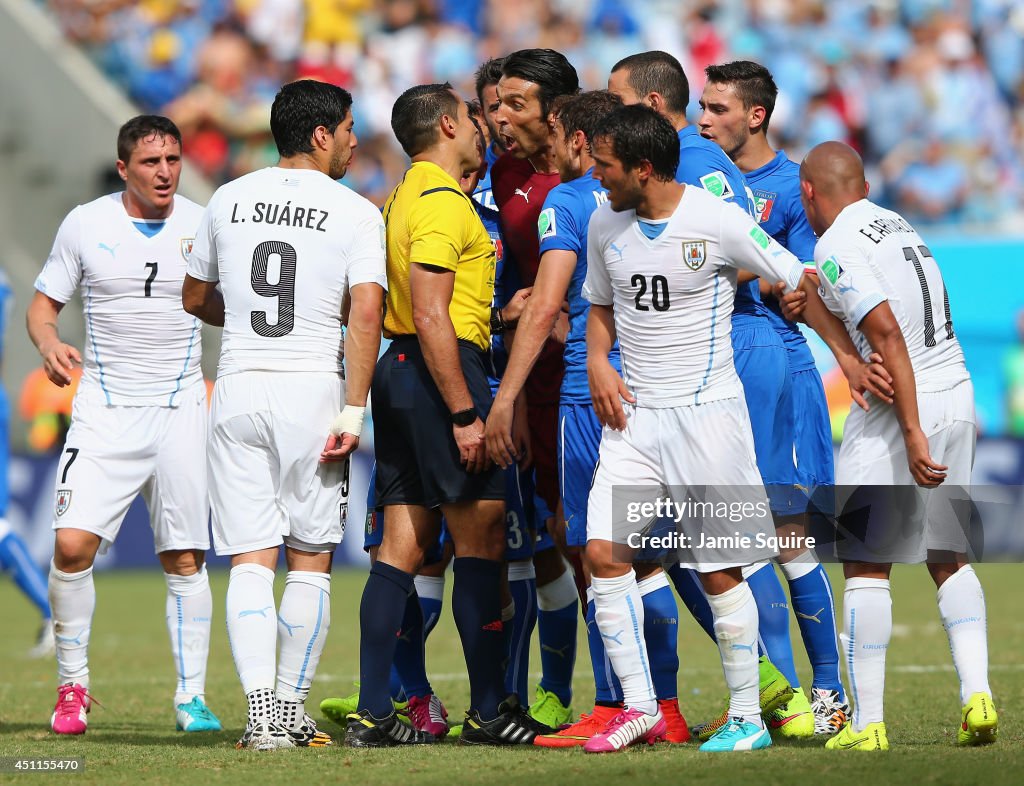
132, 738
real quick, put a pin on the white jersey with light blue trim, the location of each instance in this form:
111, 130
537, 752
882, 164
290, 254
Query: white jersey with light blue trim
285, 245
672, 297
870, 255
141, 347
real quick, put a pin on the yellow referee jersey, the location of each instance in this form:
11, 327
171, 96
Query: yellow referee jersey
431, 222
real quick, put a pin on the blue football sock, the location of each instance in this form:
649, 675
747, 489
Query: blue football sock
430, 590
476, 607
409, 674
557, 620
381, 612
522, 583
773, 620
14, 558
606, 685
661, 631
688, 585
811, 593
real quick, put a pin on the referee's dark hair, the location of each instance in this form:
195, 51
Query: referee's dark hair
637, 133
753, 84
585, 111
300, 107
417, 112
657, 72
553, 74
141, 127
489, 73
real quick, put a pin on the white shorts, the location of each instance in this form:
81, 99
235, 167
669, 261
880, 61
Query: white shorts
267, 485
691, 455
112, 454
906, 520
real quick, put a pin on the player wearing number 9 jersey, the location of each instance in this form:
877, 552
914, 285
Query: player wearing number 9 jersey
287, 245
139, 417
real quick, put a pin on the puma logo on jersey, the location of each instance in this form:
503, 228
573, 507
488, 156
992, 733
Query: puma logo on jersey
617, 249
524, 194
110, 249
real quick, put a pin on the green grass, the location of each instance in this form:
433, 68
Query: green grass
132, 736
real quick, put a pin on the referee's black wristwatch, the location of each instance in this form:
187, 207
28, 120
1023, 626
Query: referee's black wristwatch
464, 418
498, 325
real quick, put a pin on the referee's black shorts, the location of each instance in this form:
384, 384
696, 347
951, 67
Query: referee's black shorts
417, 458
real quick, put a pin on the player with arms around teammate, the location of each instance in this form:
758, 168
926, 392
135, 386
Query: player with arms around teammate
287, 245
140, 418
878, 275
430, 399
661, 279
737, 105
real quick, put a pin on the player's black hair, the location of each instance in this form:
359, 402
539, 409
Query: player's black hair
300, 107
753, 84
637, 133
489, 73
553, 74
417, 112
585, 111
141, 127
657, 72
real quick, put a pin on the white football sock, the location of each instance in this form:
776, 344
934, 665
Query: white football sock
430, 588
867, 628
189, 609
252, 625
962, 607
303, 622
735, 613
619, 613
557, 594
72, 603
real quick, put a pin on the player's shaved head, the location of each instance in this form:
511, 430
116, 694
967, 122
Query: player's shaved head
836, 171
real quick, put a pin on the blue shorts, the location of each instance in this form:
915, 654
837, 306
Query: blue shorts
763, 367
520, 526
815, 462
373, 532
579, 442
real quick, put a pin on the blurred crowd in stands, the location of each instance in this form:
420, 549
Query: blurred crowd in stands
931, 92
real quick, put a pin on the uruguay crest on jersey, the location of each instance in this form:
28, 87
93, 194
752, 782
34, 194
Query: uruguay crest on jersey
186, 248
63, 501
694, 253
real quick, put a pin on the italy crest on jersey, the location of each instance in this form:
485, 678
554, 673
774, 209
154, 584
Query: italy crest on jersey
186, 248
63, 502
764, 201
694, 253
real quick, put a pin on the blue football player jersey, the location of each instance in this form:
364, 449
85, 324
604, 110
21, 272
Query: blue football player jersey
6, 296
506, 284
777, 208
704, 164
563, 224
483, 194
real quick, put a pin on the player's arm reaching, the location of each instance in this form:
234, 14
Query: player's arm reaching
607, 389
543, 308
431, 289
200, 296
883, 333
59, 358
365, 316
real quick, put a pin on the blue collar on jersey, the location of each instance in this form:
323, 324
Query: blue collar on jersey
149, 228
780, 159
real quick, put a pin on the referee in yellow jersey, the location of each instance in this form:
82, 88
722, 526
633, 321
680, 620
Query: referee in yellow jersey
430, 397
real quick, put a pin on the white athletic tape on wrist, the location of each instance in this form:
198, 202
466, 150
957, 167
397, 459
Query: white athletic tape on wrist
350, 421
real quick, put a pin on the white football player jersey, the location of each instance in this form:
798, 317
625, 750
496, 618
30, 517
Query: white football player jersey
870, 255
672, 297
284, 245
141, 347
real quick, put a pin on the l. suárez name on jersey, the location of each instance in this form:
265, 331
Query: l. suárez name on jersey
284, 216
